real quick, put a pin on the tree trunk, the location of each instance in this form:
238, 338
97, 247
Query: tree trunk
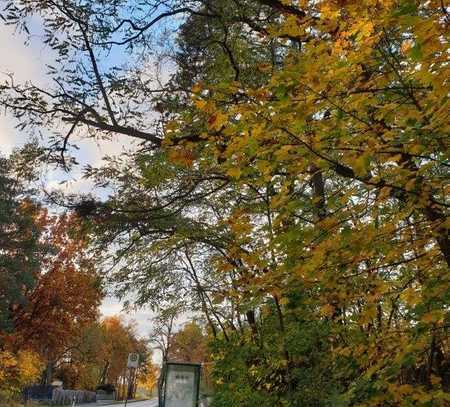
48, 373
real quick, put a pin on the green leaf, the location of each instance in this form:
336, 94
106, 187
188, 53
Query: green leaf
406, 9
416, 52
281, 92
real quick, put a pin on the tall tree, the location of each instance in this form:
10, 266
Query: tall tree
120, 340
98, 356
21, 252
189, 344
65, 298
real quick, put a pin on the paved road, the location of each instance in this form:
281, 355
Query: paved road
146, 403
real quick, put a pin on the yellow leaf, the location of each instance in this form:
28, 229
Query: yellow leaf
416, 148
257, 131
200, 104
411, 296
410, 184
384, 193
360, 165
265, 67
283, 152
327, 310
395, 158
368, 314
435, 380
181, 156
197, 88
432, 317
366, 29
406, 46
234, 172
217, 120
328, 13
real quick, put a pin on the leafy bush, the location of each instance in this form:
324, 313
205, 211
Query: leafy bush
17, 371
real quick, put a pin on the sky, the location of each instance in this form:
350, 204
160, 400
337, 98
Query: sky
28, 63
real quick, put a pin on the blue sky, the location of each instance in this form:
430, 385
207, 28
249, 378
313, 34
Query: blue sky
28, 63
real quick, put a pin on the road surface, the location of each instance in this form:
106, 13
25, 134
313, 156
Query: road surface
146, 403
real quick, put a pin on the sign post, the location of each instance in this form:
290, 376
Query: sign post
132, 365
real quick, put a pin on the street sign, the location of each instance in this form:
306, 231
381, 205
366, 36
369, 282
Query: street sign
133, 361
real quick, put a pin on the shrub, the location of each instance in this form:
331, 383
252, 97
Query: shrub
16, 371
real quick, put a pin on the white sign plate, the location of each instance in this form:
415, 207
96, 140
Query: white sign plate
133, 361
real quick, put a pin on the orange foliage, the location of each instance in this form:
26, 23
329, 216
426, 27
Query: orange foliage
190, 344
66, 295
148, 377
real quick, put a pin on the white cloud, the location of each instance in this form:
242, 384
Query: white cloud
24, 63
8, 137
142, 317
92, 151
27, 63
112, 306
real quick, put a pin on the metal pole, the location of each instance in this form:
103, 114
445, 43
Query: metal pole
134, 388
126, 399
128, 389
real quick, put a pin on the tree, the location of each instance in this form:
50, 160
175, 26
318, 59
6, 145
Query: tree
189, 345
21, 252
325, 160
98, 356
298, 191
331, 168
163, 331
16, 371
120, 340
147, 379
65, 298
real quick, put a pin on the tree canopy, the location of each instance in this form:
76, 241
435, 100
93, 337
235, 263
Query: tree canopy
21, 251
291, 185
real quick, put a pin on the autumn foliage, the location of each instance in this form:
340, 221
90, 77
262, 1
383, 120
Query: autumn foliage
65, 297
54, 309
98, 356
293, 189
51, 293
341, 154
344, 146
16, 371
189, 345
